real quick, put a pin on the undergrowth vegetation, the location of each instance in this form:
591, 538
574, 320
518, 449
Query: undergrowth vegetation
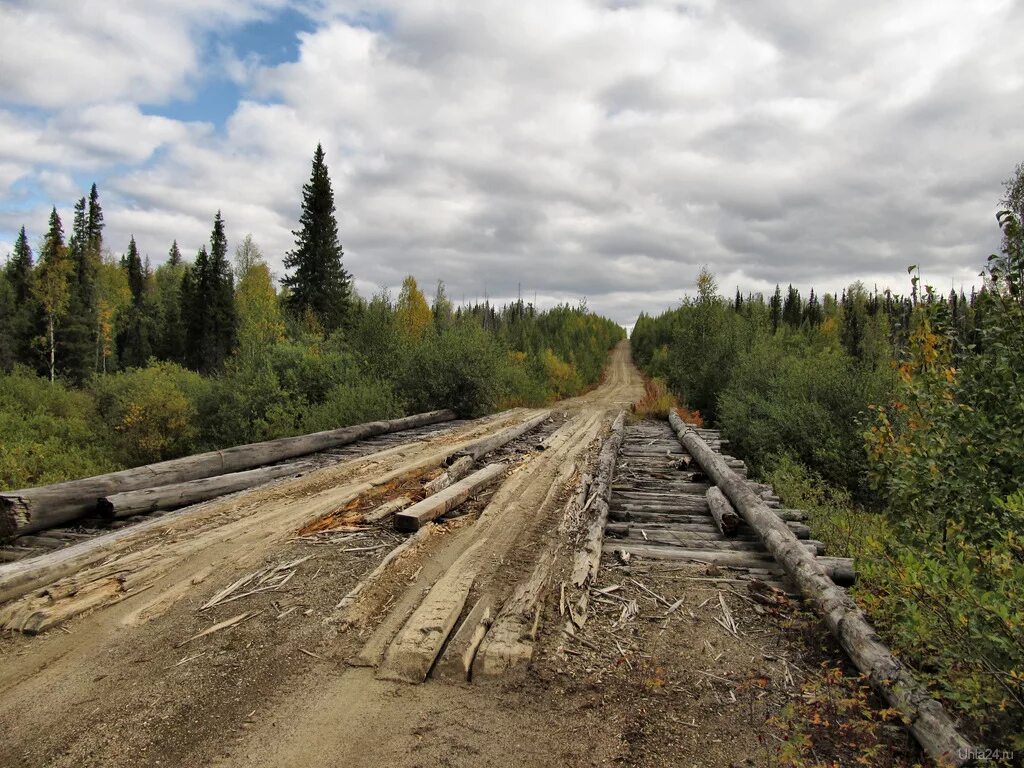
898, 424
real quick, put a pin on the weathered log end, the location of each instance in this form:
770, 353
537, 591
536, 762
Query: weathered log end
105, 508
15, 514
722, 512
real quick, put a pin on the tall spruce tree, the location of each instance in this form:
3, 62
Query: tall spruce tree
319, 285
19, 268
775, 308
792, 307
169, 343
208, 305
26, 316
77, 334
174, 255
94, 224
133, 340
78, 243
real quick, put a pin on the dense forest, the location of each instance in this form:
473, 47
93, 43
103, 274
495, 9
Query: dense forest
106, 362
898, 422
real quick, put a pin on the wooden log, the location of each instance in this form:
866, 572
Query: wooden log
708, 540
455, 472
508, 644
457, 658
493, 442
177, 495
624, 510
793, 515
415, 517
34, 509
929, 722
698, 524
721, 510
759, 561
676, 489
587, 560
841, 569
387, 509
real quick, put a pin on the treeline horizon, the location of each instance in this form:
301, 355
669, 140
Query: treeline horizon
78, 309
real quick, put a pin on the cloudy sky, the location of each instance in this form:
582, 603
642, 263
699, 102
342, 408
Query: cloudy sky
579, 148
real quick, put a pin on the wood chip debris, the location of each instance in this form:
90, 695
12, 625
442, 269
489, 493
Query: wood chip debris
727, 620
219, 626
267, 579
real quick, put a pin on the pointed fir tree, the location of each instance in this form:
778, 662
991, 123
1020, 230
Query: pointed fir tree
78, 242
94, 224
775, 308
53, 247
193, 300
224, 316
169, 343
318, 284
133, 340
26, 318
19, 268
792, 308
76, 338
208, 305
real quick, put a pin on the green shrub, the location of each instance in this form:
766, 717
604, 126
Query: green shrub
353, 402
150, 412
795, 396
49, 433
247, 404
459, 368
846, 529
524, 383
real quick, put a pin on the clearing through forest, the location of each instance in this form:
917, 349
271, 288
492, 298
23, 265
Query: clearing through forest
291, 624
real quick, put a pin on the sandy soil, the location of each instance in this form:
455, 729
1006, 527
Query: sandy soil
127, 685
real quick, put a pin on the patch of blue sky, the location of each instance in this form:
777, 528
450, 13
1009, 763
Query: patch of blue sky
215, 95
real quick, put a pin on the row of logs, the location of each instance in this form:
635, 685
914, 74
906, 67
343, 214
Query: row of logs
180, 482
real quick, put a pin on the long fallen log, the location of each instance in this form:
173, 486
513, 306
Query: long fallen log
931, 725
177, 495
34, 509
415, 517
